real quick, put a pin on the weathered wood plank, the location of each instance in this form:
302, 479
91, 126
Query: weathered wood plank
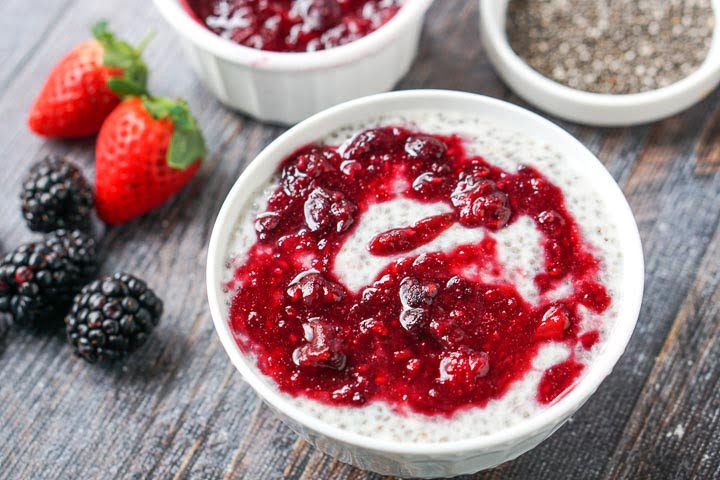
24, 28
708, 148
679, 407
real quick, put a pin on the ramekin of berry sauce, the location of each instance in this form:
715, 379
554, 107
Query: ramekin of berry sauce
281, 61
317, 364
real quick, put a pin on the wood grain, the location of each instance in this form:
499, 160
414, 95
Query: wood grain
177, 409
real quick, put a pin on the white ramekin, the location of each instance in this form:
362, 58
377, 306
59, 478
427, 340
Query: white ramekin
593, 108
426, 459
285, 88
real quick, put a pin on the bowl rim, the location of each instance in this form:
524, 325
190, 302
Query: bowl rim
495, 34
233, 52
557, 412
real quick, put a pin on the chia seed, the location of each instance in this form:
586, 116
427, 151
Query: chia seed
612, 46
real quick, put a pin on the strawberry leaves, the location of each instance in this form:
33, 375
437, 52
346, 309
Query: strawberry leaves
120, 54
187, 145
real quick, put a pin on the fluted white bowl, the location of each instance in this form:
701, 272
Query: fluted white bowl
599, 109
286, 87
426, 459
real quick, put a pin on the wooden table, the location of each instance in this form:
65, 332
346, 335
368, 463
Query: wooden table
179, 409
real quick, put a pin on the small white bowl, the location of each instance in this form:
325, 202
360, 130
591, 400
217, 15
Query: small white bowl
597, 109
426, 459
284, 88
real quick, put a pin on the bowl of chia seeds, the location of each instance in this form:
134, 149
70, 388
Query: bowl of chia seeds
605, 62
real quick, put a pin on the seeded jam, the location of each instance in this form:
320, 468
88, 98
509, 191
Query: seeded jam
293, 25
432, 333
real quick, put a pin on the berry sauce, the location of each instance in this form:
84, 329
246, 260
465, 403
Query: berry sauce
293, 25
426, 335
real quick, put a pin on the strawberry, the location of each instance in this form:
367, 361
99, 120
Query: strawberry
554, 323
86, 85
147, 150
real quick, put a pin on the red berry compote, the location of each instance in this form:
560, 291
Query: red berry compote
424, 277
293, 25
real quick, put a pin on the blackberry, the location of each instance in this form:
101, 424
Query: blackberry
111, 317
38, 280
56, 195
79, 247
37, 283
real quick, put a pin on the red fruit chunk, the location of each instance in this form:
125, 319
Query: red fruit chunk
353, 393
480, 203
399, 240
557, 380
425, 148
312, 288
429, 263
372, 325
429, 184
593, 295
463, 367
314, 163
554, 261
323, 349
551, 222
589, 339
457, 286
327, 210
554, 323
317, 15
350, 168
266, 222
447, 331
368, 142
295, 184
413, 319
416, 294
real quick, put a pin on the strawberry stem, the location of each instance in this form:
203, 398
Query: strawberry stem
187, 145
145, 41
120, 54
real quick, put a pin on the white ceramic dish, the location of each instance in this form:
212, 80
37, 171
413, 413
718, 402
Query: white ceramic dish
593, 108
285, 88
439, 459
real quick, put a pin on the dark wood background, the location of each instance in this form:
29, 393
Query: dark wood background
178, 409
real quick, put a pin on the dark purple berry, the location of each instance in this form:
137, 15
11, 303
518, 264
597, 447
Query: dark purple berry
111, 317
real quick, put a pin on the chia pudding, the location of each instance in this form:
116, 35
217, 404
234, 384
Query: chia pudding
424, 277
293, 25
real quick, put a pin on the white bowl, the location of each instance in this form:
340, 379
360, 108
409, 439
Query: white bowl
593, 108
284, 88
426, 459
